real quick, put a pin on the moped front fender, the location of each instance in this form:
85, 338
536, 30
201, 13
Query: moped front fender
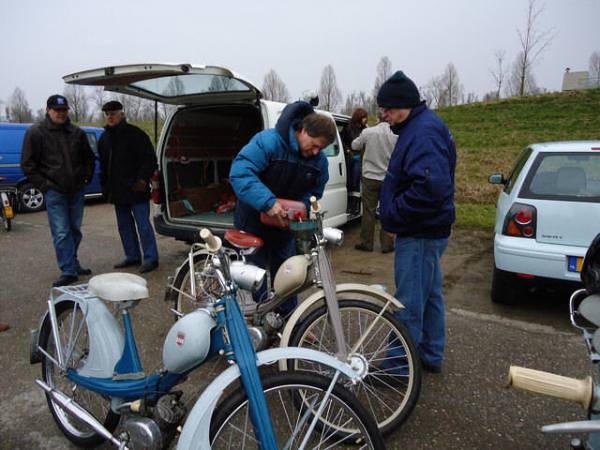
363, 292
196, 430
105, 336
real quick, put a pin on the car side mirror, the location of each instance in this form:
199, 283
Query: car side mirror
497, 178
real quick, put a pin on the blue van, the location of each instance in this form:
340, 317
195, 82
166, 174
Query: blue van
11, 143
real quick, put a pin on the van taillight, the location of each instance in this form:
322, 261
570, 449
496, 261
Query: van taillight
520, 221
155, 183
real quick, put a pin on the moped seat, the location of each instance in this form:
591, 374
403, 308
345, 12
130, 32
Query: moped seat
590, 309
241, 239
118, 287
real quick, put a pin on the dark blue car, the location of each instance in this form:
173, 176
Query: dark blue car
11, 144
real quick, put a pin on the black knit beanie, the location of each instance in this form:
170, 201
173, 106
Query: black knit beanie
398, 91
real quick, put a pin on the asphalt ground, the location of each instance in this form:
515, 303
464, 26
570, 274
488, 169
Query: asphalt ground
467, 406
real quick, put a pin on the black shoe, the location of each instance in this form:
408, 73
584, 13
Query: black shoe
148, 266
387, 250
65, 280
127, 263
430, 368
84, 271
363, 248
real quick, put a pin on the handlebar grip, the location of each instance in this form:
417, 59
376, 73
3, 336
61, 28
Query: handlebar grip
213, 243
573, 389
314, 204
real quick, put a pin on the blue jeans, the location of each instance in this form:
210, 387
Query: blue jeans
133, 221
65, 214
275, 254
418, 276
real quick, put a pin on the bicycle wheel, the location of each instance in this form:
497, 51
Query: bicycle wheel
70, 318
390, 389
181, 297
293, 400
6, 222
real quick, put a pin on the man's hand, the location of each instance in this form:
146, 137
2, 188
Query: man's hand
279, 213
139, 186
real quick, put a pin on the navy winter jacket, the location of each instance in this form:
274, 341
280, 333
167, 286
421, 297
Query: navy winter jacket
417, 196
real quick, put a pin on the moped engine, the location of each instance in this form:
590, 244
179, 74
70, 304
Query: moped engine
262, 334
143, 433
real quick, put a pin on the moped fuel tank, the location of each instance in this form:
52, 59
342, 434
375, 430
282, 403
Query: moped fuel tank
188, 341
291, 275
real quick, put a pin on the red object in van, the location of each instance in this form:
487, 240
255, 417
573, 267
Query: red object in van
296, 212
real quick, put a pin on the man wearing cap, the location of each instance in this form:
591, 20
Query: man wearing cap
57, 159
417, 205
127, 161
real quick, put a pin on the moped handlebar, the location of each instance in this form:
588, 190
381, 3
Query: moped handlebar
314, 204
213, 243
573, 389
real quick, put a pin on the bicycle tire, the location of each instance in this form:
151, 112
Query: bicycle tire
342, 406
401, 390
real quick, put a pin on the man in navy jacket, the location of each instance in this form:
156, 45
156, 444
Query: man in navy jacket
283, 162
417, 205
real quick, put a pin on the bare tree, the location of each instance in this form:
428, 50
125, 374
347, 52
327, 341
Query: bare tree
18, 108
471, 98
274, 88
329, 93
498, 72
533, 43
433, 92
518, 75
594, 69
98, 98
383, 72
357, 100
78, 102
452, 88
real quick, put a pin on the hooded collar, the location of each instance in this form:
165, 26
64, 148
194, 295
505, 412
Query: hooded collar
397, 128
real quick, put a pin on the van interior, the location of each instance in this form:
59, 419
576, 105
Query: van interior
199, 148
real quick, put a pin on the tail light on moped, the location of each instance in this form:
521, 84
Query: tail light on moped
520, 221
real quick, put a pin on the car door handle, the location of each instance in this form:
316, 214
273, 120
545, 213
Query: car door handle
340, 166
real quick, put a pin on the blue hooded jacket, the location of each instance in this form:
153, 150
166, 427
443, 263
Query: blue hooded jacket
264, 149
417, 196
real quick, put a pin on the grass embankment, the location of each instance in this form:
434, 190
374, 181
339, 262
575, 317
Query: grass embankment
490, 135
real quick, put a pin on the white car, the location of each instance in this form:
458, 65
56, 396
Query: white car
547, 215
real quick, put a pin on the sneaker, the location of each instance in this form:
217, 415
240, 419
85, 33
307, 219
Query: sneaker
65, 280
363, 248
148, 266
431, 368
127, 263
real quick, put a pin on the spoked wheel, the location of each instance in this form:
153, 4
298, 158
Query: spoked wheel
206, 286
294, 399
73, 333
6, 222
391, 387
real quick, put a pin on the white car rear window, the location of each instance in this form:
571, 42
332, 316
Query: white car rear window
568, 176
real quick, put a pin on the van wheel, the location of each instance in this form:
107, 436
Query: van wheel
506, 290
31, 198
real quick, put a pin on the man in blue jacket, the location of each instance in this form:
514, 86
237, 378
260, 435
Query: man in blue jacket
283, 162
417, 205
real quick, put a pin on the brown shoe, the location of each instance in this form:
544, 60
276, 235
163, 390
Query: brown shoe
363, 248
4, 326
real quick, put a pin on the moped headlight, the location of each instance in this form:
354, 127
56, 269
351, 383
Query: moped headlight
334, 236
247, 276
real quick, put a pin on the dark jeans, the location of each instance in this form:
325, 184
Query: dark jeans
277, 253
133, 222
65, 214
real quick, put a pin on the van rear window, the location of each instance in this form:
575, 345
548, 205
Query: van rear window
568, 176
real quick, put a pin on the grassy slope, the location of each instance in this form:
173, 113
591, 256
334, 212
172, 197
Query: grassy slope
490, 135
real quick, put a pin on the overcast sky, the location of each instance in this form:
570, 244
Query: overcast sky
42, 41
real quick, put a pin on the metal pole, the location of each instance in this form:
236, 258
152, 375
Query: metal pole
155, 122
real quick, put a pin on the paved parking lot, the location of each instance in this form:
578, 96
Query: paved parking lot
465, 407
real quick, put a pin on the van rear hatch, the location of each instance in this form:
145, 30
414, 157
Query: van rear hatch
175, 84
565, 189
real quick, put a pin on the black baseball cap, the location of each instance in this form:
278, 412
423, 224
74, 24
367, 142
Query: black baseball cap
57, 102
113, 105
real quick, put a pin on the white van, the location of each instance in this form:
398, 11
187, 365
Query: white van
217, 113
